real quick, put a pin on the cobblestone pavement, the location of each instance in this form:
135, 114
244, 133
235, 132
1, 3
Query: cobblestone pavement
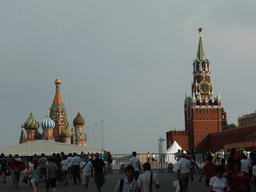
111, 180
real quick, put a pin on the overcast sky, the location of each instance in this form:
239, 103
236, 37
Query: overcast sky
128, 63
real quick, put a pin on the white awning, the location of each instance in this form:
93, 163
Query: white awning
47, 147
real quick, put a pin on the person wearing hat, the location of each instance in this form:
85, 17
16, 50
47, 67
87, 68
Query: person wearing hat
148, 181
184, 170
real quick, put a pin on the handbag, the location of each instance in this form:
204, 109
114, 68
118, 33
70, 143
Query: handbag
176, 185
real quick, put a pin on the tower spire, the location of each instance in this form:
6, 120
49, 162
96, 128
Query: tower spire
57, 102
200, 51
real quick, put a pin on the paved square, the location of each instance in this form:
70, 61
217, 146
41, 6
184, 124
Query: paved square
111, 181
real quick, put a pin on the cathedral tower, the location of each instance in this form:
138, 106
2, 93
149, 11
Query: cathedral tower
79, 137
47, 126
203, 110
31, 126
58, 113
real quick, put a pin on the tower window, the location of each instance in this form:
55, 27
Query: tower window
213, 110
206, 111
200, 111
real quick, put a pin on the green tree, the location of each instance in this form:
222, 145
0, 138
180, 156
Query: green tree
229, 127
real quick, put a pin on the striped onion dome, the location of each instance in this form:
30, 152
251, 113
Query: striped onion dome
31, 123
66, 132
37, 135
79, 120
47, 123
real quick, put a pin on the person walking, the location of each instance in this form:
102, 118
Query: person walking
148, 181
218, 182
64, 169
86, 171
42, 164
184, 170
245, 164
10, 159
239, 180
127, 184
4, 165
99, 170
17, 167
208, 170
135, 162
75, 167
51, 175
70, 160
35, 175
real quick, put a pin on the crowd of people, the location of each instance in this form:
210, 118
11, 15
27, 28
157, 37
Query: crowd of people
58, 167
233, 171
79, 167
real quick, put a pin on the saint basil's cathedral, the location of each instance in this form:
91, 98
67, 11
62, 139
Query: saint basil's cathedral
55, 127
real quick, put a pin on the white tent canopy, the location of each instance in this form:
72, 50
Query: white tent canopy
169, 157
47, 147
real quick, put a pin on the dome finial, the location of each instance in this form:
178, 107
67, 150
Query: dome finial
57, 80
200, 30
78, 110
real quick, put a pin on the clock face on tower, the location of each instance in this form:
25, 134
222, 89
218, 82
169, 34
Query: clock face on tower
204, 87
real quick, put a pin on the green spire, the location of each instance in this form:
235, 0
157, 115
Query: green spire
200, 52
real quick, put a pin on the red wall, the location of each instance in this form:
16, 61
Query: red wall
181, 137
218, 140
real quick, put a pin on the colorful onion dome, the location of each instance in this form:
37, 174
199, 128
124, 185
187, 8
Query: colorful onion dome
31, 123
79, 120
57, 80
47, 123
66, 132
37, 135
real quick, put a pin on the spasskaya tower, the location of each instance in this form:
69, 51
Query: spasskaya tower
204, 113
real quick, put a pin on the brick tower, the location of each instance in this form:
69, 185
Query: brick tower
203, 111
58, 113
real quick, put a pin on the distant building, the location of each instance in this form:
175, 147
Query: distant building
55, 127
247, 120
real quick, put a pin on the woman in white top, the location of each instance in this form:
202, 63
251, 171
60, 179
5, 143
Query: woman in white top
218, 183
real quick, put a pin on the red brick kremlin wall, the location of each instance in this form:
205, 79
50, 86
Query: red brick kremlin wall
181, 137
218, 140
214, 141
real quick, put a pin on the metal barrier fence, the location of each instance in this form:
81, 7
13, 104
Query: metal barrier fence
158, 162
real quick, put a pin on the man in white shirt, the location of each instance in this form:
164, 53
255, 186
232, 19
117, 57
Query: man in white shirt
184, 169
70, 160
148, 180
245, 164
86, 171
75, 166
135, 162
